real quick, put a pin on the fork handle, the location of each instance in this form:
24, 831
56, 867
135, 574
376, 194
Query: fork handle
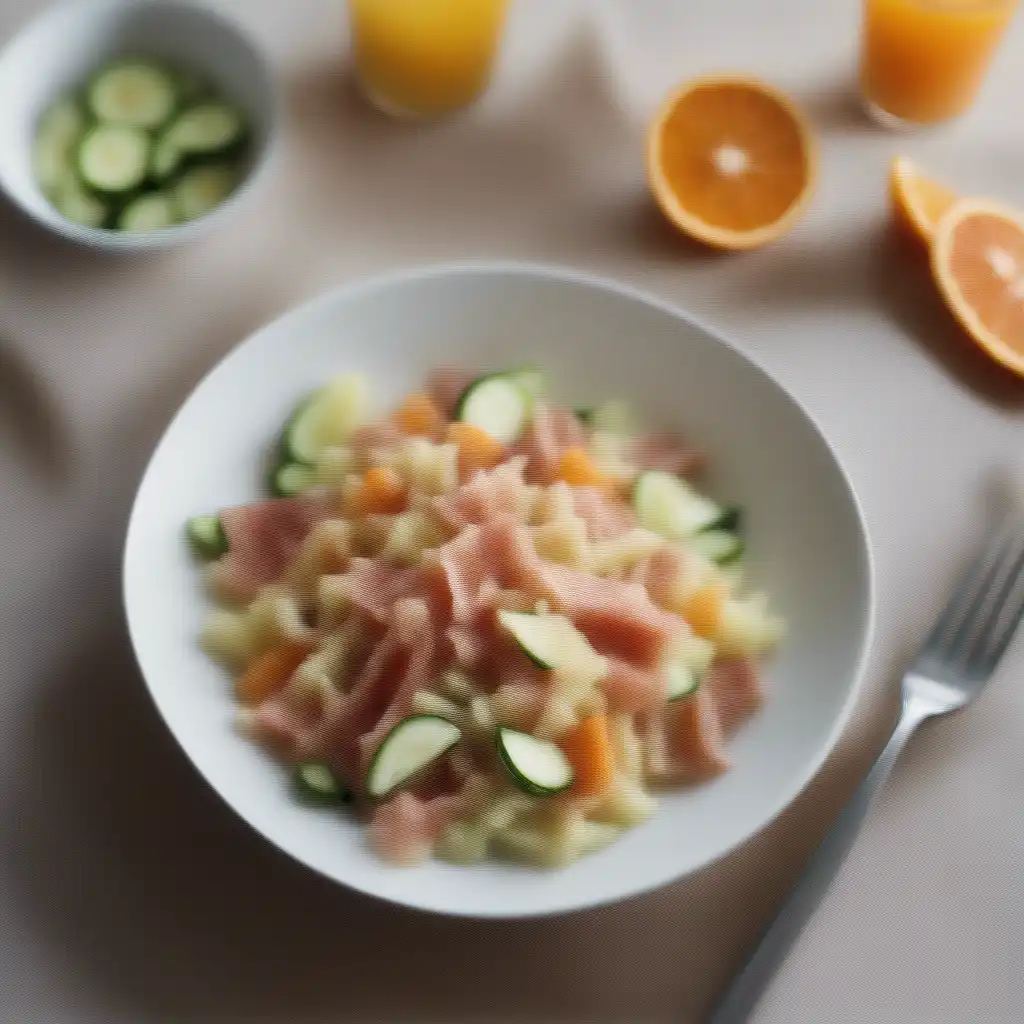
822, 867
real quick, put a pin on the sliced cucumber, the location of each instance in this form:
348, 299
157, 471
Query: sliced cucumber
203, 189
113, 158
410, 746
537, 767
585, 416
59, 130
549, 641
315, 783
326, 419
134, 93
681, 680
721, 546
207, 129
290, 478
165, 160
207, 537
150, 212
531, 381
498, 404
671, 507
79, 205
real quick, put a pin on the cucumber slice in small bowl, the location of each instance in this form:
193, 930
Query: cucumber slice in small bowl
537, 767
152, 211
207, 537
410, 746
113, 159
133, 93
201, 190
498, 404
211, 128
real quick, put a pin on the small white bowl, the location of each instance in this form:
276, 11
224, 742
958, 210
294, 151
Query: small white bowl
806, 540
56, 52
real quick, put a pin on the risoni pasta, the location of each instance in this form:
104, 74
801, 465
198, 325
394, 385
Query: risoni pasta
487, 624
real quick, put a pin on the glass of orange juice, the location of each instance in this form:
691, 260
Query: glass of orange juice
923, 61
424, 58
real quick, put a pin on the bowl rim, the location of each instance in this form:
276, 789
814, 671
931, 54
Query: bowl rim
559, 274
162, 238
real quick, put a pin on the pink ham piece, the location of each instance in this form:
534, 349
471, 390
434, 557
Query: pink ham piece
404, 829
374, 586
374, 438
486, 496
666, 453
632, 690
606, 517
619, 619
263, 539
735, 688
661, 572
550, 433
685, 742
445, 386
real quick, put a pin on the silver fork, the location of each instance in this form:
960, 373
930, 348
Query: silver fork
956, 661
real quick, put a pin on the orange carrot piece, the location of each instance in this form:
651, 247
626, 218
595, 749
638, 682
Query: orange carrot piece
703, 610
477, 448
589, 750
382, 491
578, 469
419, 416
270, 672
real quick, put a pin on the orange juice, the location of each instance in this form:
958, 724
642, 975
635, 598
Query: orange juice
425, 57
923, 61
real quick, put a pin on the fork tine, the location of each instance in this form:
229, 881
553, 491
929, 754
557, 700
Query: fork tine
1002, 623
962, 600
964, 640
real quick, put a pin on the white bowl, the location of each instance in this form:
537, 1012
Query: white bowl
807, 540
56, 52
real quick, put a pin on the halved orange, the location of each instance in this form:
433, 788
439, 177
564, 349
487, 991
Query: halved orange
977, 259
731, 161
918, 202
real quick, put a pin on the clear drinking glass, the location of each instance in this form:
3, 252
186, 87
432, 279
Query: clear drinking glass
924, 61
424, 58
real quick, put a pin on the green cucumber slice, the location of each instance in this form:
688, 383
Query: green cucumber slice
165, 160
549, 641
207, 537
150, 212
315, 783
58, 132
113, 159
80, 206
290, 478
498, 404
326, 419
671, 507
203, 189
721, 546
207, 129
410, 746
681, 681
133, 93
537, 767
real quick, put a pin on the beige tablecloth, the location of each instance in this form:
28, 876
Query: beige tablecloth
128, 893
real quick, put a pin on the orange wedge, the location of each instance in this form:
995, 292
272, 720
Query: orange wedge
917, 201
731, 161
977, 259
